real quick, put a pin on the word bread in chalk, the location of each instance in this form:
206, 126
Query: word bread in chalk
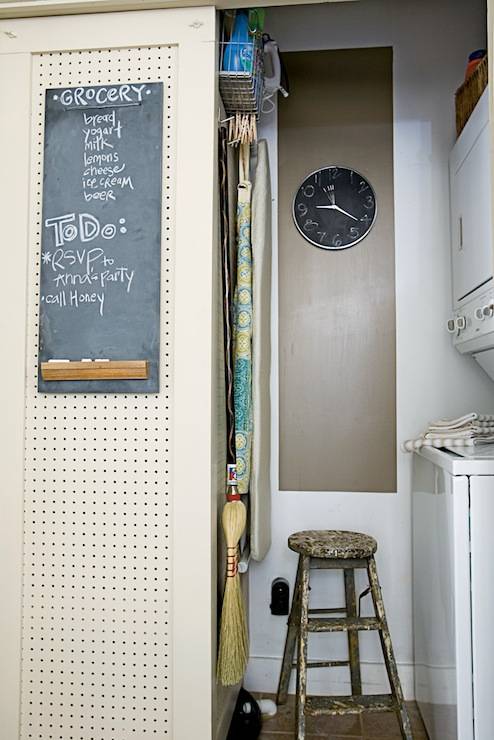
90, 96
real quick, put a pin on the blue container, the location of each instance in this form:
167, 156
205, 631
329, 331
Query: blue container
238, 56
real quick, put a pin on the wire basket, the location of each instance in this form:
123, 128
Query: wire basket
469, 93
241, 90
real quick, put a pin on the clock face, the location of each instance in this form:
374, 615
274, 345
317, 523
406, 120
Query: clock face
334, 208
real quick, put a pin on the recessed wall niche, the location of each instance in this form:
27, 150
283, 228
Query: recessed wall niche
337, 368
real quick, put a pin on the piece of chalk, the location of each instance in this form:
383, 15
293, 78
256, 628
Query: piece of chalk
86, 359
58, 360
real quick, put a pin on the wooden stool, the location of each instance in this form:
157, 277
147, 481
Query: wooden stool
346, 551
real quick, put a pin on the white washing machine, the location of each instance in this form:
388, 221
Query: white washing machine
453, 591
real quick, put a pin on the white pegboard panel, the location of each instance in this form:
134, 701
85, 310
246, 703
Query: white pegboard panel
97, 555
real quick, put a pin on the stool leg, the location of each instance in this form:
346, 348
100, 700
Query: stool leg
387, 648
353, 638
291, 639
302, 648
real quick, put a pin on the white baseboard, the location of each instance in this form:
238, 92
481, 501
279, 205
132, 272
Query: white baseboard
263, 673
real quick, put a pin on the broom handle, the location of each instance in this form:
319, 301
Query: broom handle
227, 296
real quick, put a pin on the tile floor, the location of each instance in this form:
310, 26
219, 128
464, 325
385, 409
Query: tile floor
371, 726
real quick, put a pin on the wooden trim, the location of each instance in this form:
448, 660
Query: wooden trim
15, 77
35, 8
106, 370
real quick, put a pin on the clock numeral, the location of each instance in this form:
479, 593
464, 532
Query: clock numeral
334, 172
363, 187
369, 202
302, 209
322, 235
351, 177
309, 191
337, 241
310, 225
366, 220
354, 232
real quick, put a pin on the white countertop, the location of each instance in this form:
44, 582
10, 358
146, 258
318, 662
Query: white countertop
464, 461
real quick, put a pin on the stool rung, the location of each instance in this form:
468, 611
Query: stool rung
343, 624
334, 705
330, 610
324, 664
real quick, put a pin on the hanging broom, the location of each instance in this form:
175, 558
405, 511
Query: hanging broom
234, 647
233, 642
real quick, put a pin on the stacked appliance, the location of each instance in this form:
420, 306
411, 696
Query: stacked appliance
453, 490
472, 322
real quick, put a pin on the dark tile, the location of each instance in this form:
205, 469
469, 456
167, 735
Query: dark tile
376, 725
325, 727
284, 736
415, 717
348, 726
284, 720
418, 727
380, 725
371, 726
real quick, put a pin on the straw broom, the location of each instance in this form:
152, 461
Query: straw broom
234, 646
233, 649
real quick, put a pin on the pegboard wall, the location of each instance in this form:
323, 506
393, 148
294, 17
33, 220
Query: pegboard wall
97, 555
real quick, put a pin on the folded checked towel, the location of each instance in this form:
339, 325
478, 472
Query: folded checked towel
464, 431
462, 420
415, 444
479, 427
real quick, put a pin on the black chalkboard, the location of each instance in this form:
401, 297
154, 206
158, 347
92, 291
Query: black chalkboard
101, 231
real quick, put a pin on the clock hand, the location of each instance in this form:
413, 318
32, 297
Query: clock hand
337, 208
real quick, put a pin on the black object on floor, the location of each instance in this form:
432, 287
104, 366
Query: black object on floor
246, 721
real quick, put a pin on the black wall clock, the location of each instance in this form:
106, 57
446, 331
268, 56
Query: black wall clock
335, 207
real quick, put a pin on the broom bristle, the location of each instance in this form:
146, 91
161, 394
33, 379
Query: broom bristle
234, 646
234, 519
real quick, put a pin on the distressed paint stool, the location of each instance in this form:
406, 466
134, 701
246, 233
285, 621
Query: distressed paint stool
347, 551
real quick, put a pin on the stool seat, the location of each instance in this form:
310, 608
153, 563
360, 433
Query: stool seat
332, 543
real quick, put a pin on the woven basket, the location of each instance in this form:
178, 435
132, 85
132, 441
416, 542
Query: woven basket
468, 94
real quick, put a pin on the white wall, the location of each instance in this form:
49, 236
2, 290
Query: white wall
431, 40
